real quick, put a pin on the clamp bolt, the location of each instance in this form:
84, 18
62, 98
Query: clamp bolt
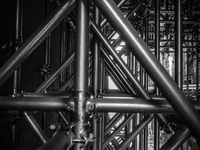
70, 106
90, 107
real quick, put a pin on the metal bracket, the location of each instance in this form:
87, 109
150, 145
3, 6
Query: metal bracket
45, 69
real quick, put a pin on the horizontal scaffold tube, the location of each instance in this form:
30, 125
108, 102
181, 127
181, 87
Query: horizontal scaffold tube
114, 104
34, 103
135, 105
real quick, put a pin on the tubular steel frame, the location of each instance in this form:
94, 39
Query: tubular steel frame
136, 109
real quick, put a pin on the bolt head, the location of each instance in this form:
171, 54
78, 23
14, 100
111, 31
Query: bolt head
90, 107
52, 127
69, 107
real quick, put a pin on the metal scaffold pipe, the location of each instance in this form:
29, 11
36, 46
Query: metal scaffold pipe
117, 104
60, 141
80, 116
104, 22
34, 103
96, 82
157, 54
35, 126
178, 44
156, 71
96, 56
82, 49
18, 36
134, 105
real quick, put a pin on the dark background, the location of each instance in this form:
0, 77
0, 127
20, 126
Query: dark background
34, 13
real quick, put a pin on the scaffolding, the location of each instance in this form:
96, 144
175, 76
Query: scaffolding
128, 76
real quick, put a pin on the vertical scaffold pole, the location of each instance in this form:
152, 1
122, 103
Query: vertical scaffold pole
18, 38
157, 54
80, 116
96, 81
17, 72
178, 44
